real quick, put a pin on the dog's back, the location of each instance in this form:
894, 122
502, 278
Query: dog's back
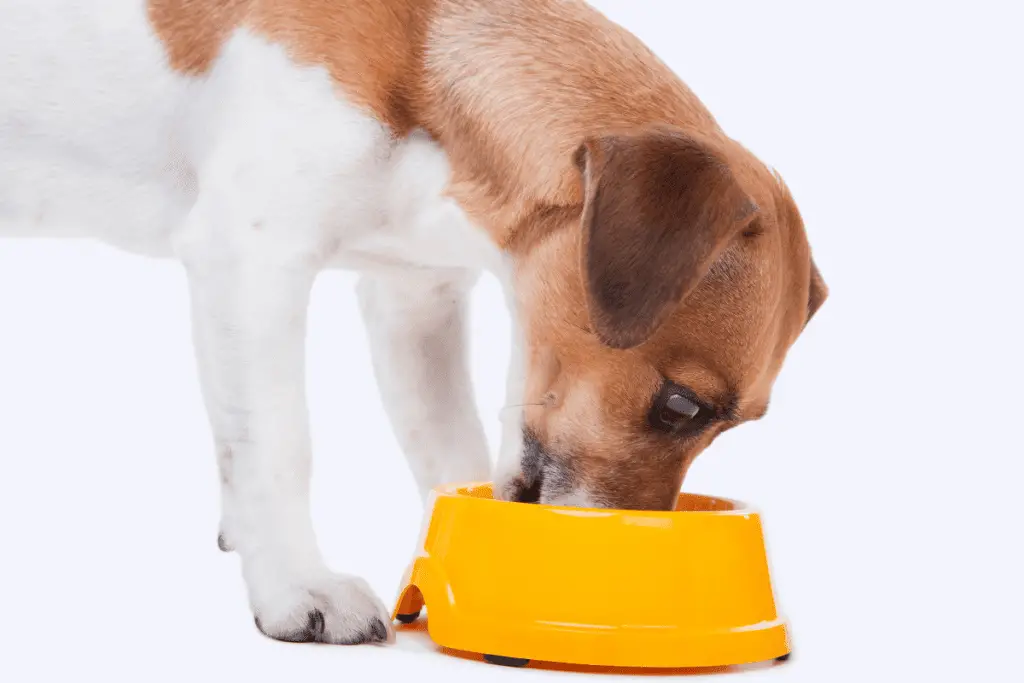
87, 123
108, 109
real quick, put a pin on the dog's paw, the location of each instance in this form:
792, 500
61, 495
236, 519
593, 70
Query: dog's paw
335, 609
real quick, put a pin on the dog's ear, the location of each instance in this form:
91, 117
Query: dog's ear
818, 291
659, 208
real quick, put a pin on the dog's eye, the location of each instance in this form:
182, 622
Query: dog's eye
674, 410
678, 406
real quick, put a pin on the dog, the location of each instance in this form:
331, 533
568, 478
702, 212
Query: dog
656, 272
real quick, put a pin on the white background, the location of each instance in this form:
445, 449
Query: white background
888, 470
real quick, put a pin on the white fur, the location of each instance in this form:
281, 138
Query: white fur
578, 498
256, 176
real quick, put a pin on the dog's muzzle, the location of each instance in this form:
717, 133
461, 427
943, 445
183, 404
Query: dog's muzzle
542, 476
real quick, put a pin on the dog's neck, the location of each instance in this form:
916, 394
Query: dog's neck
511, 89
508, 88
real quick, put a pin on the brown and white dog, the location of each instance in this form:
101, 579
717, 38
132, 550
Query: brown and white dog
657, 271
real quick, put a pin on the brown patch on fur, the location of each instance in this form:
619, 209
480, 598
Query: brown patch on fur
372, 49
193, 31
674, 268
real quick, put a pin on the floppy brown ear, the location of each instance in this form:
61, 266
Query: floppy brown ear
818, 291
659, 208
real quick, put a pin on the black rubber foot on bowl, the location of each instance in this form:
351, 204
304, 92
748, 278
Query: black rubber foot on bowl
506, 661
783, 658
409, 618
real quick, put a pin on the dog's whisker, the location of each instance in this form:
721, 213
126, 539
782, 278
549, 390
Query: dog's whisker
520, 405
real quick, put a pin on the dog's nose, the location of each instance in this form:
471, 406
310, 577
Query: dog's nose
524, 488
534, 465
528, 491
524, 482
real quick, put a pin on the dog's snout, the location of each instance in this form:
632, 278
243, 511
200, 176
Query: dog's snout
527, 492
527, 487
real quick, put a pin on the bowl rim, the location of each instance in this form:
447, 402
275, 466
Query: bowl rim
454, 490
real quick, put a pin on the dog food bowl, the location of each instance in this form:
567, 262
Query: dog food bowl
517, 582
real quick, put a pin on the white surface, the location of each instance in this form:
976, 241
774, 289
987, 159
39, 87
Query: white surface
888, 468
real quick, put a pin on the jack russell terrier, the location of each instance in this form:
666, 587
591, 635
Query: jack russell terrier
656, 271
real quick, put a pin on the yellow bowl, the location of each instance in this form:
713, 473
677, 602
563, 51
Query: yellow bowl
518, 582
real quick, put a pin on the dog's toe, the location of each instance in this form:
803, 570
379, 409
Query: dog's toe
312, 632
376, 632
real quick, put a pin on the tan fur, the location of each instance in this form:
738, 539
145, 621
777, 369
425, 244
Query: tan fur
193, 30
511, 89
372, 49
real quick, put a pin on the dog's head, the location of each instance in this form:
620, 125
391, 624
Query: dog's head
656, 320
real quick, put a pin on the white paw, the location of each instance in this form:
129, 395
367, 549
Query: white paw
335, 609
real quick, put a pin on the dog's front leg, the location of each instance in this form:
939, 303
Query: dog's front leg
249, 304
416, 323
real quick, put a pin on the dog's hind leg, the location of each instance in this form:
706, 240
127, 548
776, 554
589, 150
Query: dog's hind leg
416, 322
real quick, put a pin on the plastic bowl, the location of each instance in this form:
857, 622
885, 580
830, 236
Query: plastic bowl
518, 582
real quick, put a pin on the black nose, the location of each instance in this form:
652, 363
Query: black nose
533, 466
529, 492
